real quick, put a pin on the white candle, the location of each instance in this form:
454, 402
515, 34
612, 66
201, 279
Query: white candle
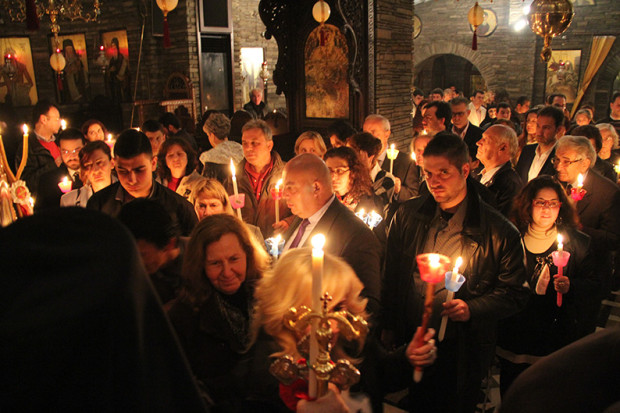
234, 181
317, 241
560, 245
454, 277
277, 200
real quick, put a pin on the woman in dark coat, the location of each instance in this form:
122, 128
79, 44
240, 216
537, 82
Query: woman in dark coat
542, 211
212, 314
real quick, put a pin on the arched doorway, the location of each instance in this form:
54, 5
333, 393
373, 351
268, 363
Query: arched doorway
446, 70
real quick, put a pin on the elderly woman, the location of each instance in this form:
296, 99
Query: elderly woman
212, 315
368, 148
211, 198
594, 135
609, 150
95, 172
583, 117
310, 142
216, 161
351, 180
94, 130
177, 167
542, 211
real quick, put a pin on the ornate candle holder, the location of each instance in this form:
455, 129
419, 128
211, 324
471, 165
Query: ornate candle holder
342, 373
432, 268
577, 194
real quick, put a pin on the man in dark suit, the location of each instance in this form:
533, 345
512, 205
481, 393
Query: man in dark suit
404, 168
309, 194
536, 160
598, 210
495, 151
70, 142
462, 127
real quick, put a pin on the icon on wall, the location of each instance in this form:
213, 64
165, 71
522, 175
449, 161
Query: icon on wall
417, 26
17, 83
489, 24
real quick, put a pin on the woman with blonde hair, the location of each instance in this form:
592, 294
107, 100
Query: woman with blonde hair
310, 142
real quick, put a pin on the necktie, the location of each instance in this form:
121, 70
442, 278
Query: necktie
76, 176
300, 233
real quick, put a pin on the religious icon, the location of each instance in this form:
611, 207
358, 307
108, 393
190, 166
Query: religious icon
17, 82
563, 73
118, 75
73, 86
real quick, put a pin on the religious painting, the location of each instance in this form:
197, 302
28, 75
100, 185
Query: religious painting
563, 73
117, 73
489, 24
417, 26
72, 86
252, 59
215, 81
17, 82
326, 57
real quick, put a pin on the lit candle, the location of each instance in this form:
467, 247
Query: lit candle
560, 244
392, 153
234, 181
63, 124
109, 141
65, 185
25, 129
580, 181
453, 278
578, 193
413, 158
317, 241
276, 196
617, 168
274, 245
560, 259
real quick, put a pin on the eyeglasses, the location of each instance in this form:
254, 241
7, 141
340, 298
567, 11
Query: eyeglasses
561, 162
73, 152
454, 114
338, 171
541, 203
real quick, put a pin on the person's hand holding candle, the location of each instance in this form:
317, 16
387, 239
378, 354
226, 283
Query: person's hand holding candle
456, 310
422, 355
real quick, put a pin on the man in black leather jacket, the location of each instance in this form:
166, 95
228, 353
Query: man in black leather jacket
452, 220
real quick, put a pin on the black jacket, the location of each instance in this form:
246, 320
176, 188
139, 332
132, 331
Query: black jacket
505, 185
525, 161
107, 202
39, 162
49, 194
493, 265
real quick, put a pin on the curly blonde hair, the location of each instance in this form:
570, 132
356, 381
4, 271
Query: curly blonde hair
289, 284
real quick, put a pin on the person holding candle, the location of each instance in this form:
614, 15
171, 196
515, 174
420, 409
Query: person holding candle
94, 130
135, 164
217, 159
594, 136
256, 175
177, 167
545, 215
95, 172
598, 209
451, 220
70, 142
213, 312
404, 170
43, 153
210, 198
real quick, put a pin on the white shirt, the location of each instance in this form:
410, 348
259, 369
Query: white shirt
488, 175
374, 171
476, 116
538, 162
314, 219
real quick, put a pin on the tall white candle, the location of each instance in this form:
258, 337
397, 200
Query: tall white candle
317, 241
454, 277
234, 181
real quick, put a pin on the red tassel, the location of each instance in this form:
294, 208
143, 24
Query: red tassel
166, 33
474, 42
59, 81
32, 19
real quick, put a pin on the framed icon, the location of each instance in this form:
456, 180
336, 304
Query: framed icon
417, 26
489, 24
17, 83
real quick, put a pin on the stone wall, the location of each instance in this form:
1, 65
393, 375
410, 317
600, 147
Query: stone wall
394, 66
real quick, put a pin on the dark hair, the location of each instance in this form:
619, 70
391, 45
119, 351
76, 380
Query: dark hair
522, 99
552, 112
342, 129
449, 146
70, 134
417, 92
503, 105
438, 91
366, 142
152, 126
553, 96
163, 170
42, 107
149, 221
131, 143
90, 122
522, 205
444, 111
91, 147
615, 96
590, 132
168, 119
359, 176
459, 100
475, 92
211, 229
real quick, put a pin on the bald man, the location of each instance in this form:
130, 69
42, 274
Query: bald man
308, 193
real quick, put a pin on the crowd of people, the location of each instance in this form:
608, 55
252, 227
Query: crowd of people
502, 187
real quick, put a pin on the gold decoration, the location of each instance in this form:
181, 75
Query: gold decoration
549, 18
321, 11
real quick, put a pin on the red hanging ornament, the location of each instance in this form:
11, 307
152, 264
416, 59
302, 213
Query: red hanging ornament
475, 16
167, 6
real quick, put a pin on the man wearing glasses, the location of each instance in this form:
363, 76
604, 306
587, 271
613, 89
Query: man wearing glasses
70, 142
462, 126
535, 160
599, 207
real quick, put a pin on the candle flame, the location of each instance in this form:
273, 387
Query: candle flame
232, 168
109, 137
413, 157
560, 240
65, 180
63, 124
278, 239
459, 262
580, 181
278, 184
318, 241
392, 146
433, 260
25, 129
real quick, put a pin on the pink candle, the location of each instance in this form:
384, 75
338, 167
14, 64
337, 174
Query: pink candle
560, 259
65, 185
